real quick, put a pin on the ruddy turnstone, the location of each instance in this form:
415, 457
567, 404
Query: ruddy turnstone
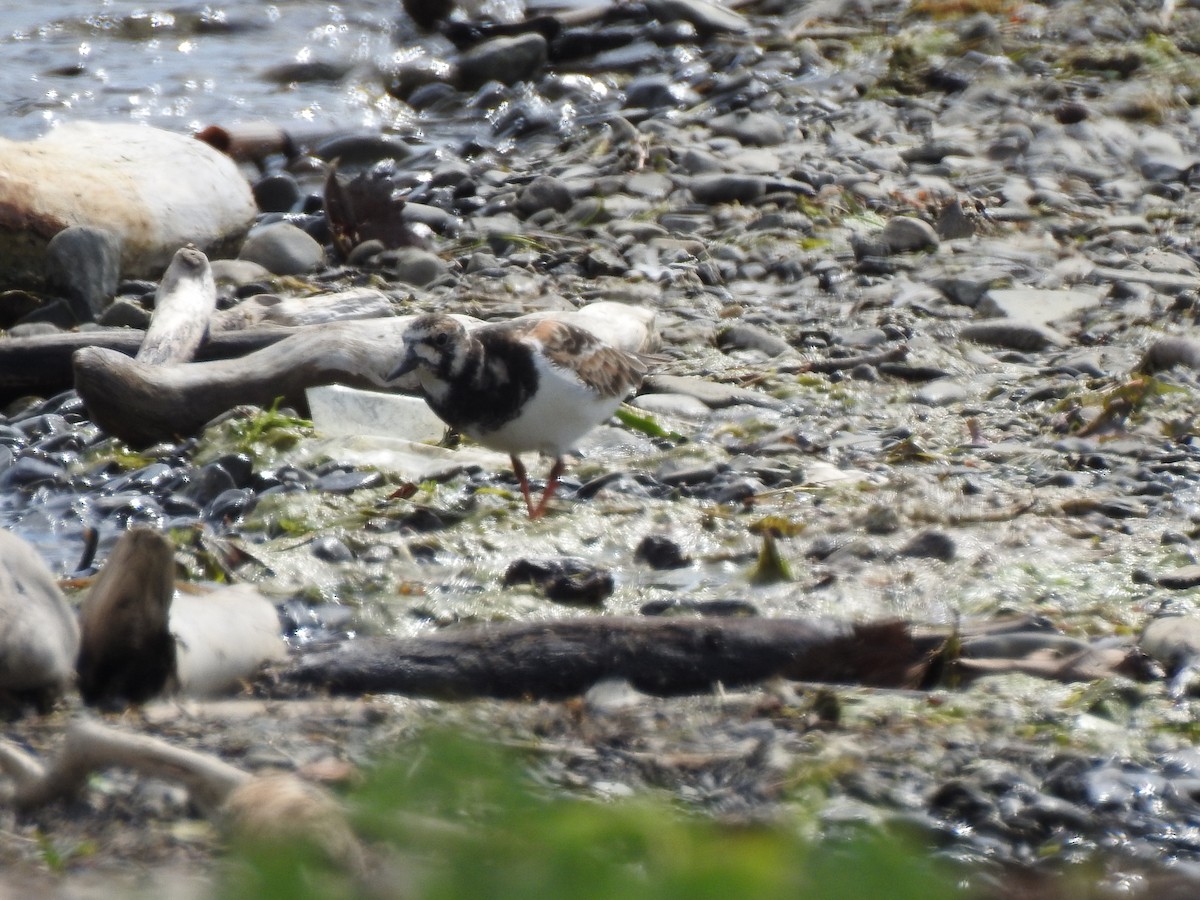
517, 386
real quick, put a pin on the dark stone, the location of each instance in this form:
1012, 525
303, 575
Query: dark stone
932, 545
660, 552
564, 580
507, 60
84, 264
331, 549
544, 192
279, 192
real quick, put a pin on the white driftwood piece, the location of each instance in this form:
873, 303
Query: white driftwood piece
155, 189
183, 304
268, 309
38, 634
223, 638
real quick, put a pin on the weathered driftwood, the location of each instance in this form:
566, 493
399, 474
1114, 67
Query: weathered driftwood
275, 809
565, 658
38, 634
139, 640
126, 651
144, 404
90, 747
185, 300
41, 365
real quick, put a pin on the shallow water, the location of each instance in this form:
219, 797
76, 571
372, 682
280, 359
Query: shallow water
185, 65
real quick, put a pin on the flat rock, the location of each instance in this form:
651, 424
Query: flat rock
1181, 578
1035, 306
713, 394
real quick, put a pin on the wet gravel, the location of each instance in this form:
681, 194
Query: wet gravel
907, 269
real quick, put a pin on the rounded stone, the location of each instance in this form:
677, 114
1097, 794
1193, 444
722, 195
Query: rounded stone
283, 249
84, 263
544, 192
412, 265
277, 193
904, 233
507, 60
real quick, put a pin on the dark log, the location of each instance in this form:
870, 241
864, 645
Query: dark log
126, 650
185, 299
564, 658
41, 365
143, 404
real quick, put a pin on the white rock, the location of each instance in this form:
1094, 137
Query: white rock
157, 190
223, 638
339, 410
39, 637
1036, 306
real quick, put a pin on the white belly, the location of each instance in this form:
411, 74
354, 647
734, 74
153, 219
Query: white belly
559, 413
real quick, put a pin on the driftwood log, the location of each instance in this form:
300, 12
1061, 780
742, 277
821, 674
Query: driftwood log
143, 404
276, 809
139, 638
42, 365
184, 302
126, 650
552, 660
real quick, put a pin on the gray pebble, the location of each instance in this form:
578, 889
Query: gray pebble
414, 266
279, 192
904, 233
283, 249
755, 129
331, 549
727, 188
507, 60
84, 263
544, 192
942, 392
659, 92
123, 313
746, 336
238, 272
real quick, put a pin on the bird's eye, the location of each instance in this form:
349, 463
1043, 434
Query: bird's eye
441, 339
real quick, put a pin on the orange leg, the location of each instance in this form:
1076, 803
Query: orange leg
523, 478
556, 471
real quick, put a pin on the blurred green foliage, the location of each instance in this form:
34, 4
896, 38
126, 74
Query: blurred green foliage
460, 819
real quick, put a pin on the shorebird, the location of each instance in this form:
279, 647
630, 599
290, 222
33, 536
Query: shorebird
518, 386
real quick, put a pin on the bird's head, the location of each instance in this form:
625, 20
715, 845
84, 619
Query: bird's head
433, 345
